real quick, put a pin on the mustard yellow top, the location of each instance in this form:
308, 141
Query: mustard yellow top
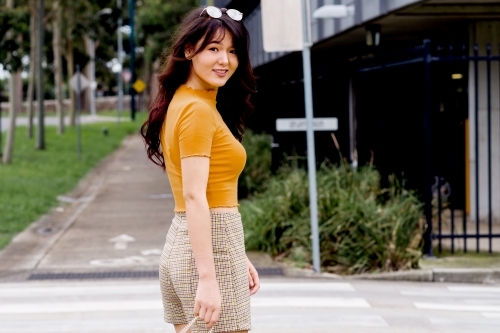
194, 127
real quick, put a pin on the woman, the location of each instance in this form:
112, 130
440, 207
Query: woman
194, 130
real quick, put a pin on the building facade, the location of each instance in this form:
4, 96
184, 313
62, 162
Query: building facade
422, 105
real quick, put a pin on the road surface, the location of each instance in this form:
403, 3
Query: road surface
283, 305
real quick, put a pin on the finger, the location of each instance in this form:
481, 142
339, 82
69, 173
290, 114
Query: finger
202, 313
208, 317
214, 319
250, 278
197, 307
256, 281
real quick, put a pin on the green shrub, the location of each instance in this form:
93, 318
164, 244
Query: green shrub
257, 170
362, 227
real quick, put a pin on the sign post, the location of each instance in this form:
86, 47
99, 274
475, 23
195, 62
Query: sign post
278, 38
139, 86
311, 154
78, 83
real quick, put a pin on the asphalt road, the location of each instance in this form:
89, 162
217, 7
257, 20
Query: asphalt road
283, 305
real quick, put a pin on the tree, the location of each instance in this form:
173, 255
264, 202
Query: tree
13, 24
156, 24
31, 79
58, 75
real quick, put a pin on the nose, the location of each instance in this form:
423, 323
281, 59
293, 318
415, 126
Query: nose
223, 59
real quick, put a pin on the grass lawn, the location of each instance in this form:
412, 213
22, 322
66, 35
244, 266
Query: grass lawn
30, 185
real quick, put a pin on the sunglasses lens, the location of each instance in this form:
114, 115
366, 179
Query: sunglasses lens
214, 12
234, 14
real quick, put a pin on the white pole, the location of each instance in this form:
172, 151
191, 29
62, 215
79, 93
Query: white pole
311, 155
120, 61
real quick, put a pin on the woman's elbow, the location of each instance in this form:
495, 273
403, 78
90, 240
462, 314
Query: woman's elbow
194, 196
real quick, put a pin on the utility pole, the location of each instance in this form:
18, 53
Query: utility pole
40, 139
120, 61
132, 57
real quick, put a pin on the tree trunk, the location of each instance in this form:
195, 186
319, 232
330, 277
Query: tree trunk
31, 78
87, 101
14, 82
70, 62
58, 79
14, 105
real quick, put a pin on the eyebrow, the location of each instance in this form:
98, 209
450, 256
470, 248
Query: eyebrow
219, 43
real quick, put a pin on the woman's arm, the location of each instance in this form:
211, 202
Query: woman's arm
195, 172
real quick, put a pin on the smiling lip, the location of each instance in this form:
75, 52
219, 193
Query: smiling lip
220, 72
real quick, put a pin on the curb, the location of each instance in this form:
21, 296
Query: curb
448, 275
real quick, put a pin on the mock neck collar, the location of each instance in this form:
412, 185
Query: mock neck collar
206, 94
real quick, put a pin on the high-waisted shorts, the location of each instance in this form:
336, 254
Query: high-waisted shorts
179, 276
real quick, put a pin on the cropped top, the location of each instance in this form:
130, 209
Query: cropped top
194, 127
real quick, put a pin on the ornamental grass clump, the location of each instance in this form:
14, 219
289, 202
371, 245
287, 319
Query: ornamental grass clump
257, 169
362, 227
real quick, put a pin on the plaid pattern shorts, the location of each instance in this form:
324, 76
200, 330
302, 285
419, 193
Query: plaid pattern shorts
179, 277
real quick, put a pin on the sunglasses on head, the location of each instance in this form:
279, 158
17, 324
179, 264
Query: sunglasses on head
217, 13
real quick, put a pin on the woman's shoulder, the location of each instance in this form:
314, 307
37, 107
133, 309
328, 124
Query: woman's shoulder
192, 110
187, 102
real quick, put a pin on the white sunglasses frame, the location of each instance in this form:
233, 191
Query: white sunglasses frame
218, 13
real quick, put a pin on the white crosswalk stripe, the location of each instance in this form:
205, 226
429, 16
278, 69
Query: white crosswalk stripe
466, 299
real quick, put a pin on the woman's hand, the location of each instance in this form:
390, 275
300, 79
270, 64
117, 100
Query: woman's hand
253, 278
207, 303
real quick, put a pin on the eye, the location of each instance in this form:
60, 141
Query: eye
213, 49
232, 51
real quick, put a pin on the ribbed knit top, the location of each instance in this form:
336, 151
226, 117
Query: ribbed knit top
194, 127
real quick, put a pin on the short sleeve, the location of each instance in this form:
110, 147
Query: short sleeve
196, 130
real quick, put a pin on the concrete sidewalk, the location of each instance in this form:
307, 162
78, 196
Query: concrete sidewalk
116, 219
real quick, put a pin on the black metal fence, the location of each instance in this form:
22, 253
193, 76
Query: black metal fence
448, 74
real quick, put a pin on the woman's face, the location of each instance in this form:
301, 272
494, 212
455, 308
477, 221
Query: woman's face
214, 65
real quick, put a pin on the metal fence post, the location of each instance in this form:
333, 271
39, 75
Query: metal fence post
428, 147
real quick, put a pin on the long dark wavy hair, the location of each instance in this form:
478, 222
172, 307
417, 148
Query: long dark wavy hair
196, 31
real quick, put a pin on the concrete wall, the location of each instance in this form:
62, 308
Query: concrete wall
482, 33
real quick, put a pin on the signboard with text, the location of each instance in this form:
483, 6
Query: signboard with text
300, 124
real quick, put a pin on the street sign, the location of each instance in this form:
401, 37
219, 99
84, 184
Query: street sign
300, 124
84, 82
139, 86
282, 25
127, 75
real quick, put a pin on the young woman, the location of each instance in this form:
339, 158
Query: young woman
194, 131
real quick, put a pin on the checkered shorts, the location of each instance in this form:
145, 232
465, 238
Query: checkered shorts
179, 277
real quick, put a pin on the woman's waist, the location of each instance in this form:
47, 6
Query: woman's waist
218, 200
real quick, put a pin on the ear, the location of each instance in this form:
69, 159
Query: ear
188, 52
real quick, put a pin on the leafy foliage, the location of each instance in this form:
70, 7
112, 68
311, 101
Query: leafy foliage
362, 227
157, 21
257, 169
14, 27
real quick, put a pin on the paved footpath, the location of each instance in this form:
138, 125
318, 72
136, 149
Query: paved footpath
90, 265
117, 219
